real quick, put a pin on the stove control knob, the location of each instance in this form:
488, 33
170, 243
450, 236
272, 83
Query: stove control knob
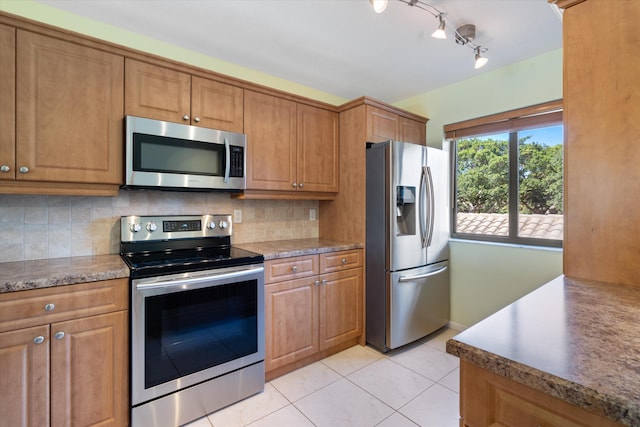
151, 227
211, 225
135, 227
223, 224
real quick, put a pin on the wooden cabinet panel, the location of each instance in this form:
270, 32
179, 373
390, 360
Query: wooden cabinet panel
69, 111
340, 307
382, 125
318, 145
601, 106
216, 105
338, 261
7, 102
29, 308
157, 92
413, 131
89, 379
270, 126
24, 378
291, 321
278, 270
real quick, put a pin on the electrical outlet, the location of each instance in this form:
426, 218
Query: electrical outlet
237, 216
312, 214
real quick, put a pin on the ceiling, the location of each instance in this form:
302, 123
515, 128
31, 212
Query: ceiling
341, 47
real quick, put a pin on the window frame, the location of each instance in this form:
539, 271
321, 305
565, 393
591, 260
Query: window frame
533, 117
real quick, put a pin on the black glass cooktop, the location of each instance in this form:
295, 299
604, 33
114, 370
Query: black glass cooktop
170, 261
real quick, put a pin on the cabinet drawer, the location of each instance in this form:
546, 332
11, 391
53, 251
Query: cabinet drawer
27, 308
290, 268
343, 260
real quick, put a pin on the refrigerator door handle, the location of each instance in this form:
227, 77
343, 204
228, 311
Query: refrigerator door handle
423, 220
431, 206
421, 276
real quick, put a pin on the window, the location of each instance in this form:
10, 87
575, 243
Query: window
507, 179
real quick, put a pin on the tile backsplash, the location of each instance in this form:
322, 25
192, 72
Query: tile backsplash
40, 227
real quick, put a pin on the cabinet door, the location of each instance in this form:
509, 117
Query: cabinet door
89, 379
413, 131
156, 92
216, 105
340, 307
270, 126
7, 102
24, 377
291, 321
69, 111
381, 125
318, 149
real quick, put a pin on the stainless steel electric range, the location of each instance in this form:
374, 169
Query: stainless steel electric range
197, 317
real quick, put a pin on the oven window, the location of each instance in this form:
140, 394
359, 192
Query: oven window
189, 331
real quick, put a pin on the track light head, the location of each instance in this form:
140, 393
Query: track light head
440, 33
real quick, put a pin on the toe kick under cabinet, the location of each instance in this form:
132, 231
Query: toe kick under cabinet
63, 356
313, 308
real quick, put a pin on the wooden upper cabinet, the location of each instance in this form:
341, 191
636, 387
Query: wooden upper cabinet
161, 93
216, 105
69, 109
270, 126
290, 146
318, 149
383, 125
157, 92
7, 102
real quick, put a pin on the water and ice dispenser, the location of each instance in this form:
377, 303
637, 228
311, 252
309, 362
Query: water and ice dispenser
405, 210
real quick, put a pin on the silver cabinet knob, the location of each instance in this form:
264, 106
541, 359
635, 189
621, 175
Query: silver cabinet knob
49, 307
185, 117
324, 282
196, 119
344, 261
5, 168
23, 169
39, 339
59, 335
301, 185
317, 282
294, 185
294, 268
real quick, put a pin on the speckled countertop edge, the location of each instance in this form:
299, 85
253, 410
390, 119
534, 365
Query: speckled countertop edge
276, 249
46, 273
615, 407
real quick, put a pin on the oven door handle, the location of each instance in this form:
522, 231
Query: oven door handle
193, 282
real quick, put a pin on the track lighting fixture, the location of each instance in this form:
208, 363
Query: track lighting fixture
464, 35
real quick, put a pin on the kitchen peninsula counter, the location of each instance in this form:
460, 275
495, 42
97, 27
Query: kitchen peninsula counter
297, 247
46, 273
577, 341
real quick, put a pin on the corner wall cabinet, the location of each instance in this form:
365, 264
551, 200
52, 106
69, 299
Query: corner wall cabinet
165, 94
68, 116
292, 147
313, 305
63, 356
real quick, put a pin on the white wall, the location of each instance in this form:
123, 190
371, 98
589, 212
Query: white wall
486, 277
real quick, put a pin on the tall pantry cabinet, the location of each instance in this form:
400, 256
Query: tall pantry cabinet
602, 127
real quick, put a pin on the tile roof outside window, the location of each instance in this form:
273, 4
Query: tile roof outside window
530, 225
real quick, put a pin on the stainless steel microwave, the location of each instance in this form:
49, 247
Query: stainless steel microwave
172, 156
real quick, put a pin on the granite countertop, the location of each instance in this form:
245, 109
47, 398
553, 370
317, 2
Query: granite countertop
297, 247
45, 273
576, 340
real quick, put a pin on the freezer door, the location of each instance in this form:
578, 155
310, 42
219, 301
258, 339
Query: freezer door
407, 208
418, 303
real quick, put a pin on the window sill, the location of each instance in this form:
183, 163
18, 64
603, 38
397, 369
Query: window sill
508, 245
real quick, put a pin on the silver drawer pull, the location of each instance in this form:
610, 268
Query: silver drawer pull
39, 339
344, 261
59, 335
317, 283
324, 282
294, 268
49, 307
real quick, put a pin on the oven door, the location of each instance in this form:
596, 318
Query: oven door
191, 327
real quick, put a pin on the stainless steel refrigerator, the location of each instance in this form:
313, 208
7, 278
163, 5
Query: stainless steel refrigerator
407, 294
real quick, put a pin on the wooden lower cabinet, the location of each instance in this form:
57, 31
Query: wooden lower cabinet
311, 316
71, 372
487, 399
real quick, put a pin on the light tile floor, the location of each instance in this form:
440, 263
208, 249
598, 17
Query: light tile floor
415, 385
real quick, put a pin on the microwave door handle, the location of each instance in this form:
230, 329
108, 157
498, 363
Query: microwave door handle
227, 164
